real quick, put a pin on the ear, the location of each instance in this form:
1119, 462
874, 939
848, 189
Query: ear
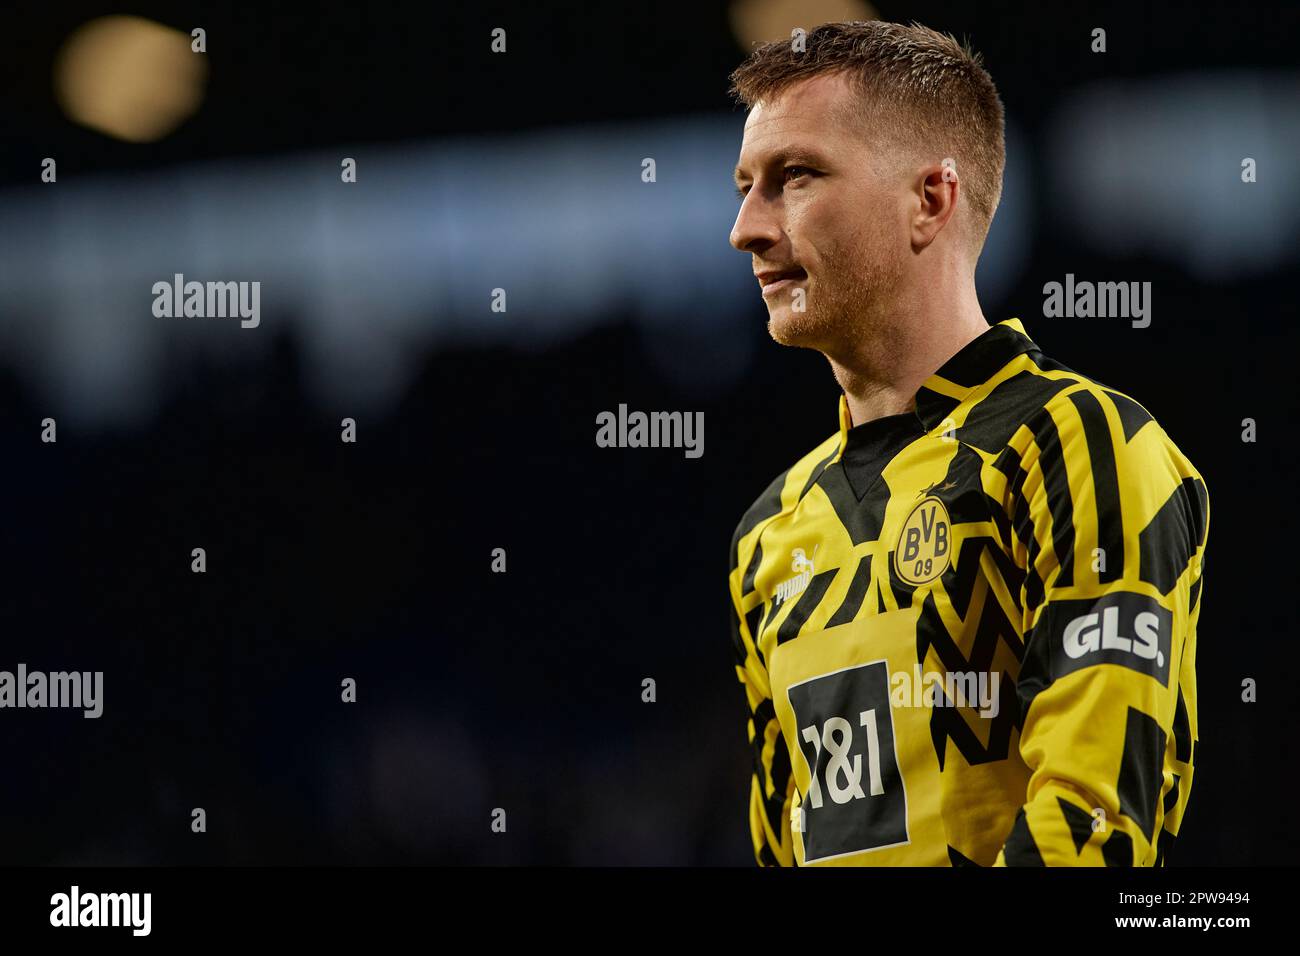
938, 187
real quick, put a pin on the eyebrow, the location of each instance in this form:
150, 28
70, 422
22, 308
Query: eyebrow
800, 154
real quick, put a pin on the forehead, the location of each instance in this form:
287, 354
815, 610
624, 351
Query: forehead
815, 109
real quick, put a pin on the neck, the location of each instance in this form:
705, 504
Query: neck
884, 367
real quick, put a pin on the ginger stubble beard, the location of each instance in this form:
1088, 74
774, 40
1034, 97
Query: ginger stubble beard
850, 313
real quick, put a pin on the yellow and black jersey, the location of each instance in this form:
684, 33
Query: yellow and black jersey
967, 634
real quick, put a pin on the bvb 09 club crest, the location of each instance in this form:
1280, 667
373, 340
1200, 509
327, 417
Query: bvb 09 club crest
924, 548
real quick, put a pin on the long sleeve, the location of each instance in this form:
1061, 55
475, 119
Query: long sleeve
771, 783
1110, 523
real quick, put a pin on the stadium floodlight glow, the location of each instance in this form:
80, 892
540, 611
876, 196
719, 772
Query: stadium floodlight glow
757, 21
129, 78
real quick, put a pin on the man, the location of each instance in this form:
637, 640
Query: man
966, 622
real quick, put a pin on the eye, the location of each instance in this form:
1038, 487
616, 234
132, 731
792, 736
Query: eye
741, 191
796, 172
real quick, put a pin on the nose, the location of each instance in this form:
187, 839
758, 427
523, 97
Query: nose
756, 227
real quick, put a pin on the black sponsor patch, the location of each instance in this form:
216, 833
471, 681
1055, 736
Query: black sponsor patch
1123, 628
845, 730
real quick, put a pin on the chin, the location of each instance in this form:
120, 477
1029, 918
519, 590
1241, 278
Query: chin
797, 329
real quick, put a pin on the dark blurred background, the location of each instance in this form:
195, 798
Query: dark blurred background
475, 429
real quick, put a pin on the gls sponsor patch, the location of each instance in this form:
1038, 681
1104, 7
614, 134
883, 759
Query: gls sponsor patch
1131, 630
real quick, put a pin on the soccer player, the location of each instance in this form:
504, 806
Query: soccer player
966, 621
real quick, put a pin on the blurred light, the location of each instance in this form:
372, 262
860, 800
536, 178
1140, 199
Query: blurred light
367, 279
129, 78
1153, 167
757, 21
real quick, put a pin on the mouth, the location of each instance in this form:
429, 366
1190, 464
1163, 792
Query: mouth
776, 281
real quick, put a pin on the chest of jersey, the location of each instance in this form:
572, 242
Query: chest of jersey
890, 624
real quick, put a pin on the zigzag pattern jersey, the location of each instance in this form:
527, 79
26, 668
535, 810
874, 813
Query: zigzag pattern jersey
967, 634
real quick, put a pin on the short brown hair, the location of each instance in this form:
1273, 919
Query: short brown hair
921, 91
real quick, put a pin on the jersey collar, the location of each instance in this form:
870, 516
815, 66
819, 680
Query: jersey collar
966, 371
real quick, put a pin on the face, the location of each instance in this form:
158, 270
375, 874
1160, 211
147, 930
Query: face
826, 229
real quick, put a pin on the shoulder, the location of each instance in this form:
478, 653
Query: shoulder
781, 496
1034, 393
1095, 404
1093, 417
1042, 402
1107, 448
